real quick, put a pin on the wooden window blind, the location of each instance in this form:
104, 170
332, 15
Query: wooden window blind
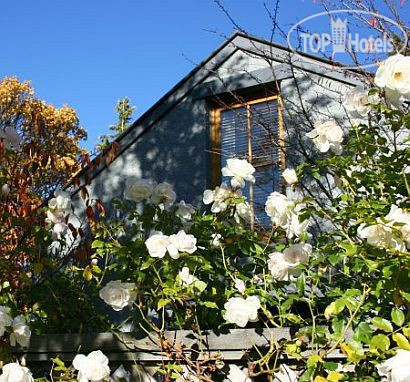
252, 131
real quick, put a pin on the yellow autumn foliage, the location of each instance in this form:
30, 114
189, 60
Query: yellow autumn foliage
50, 150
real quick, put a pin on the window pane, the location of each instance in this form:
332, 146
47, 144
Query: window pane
267, 180
265, 149
265, 133
265, 155
234, 134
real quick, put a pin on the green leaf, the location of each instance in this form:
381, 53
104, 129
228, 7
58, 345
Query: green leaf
330, 310
337, 325
97, 244
402, 342
363, 332
397, 316
313, 360
287, 304
96, 269
87, 274
380, 341
334, 376
339, 305
292, 317
200, 285
383, 324
405, 295
258, 249
163, 302
146, 264
353, 351
350, 249
209, 304
300, 284
331, 366
57, 361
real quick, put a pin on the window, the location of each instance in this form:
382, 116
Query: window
252, 131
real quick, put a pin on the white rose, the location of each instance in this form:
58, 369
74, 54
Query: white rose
327, 135
181, 242
184, 211
13, 372
61, 201
221, 197
21, 332
240, 170
278, 208
59, 230
5, 189
394, 75
208, 197
58, 219
5, 319
296, 255
118, 294
240, 285
216, 240
283, 265
257, 280
164, 194
242, 211
294, 227
285, 213
278, 266
239, 310
397, 368
237, 375
120, 375
185, 278
380, 235
56, 216
157, 245
138, 189
290, 176
357, 101
400, 220
93, 368
11, 138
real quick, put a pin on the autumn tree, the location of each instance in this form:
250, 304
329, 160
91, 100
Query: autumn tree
47, 138
39, 152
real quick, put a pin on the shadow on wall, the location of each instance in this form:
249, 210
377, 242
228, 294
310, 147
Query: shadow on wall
176, 149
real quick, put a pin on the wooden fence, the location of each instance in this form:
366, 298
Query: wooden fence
141, 354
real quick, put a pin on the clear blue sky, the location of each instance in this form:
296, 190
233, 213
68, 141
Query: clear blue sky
90, 53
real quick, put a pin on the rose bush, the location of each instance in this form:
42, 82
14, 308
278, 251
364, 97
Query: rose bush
333, 266
344, 289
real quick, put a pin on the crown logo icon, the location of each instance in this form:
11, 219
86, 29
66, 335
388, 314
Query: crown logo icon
339, 32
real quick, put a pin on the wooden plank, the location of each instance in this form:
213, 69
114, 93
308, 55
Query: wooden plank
234, 339
232, 344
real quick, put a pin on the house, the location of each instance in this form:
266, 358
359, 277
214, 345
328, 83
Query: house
251, 98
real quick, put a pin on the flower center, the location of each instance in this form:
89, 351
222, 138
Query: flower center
398, 75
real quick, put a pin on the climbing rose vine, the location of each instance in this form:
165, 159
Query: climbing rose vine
333, 266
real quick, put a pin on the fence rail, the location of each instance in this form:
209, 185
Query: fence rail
141, 353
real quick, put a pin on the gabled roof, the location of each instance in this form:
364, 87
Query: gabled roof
238, 41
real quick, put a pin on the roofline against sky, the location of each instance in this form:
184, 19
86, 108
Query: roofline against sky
182, 82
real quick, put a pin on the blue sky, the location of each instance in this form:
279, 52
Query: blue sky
90, 53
